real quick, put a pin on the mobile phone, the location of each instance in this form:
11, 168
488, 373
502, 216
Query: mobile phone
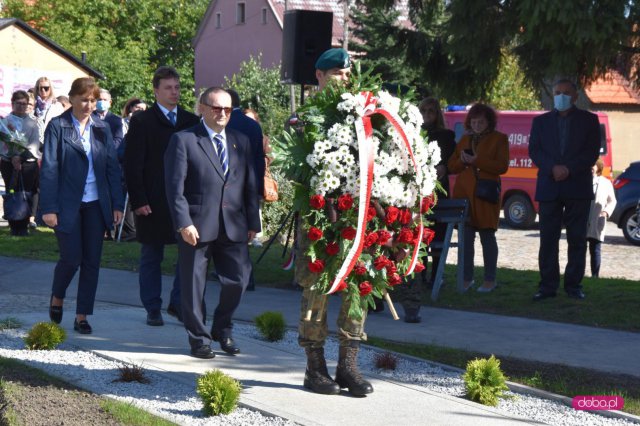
468, 151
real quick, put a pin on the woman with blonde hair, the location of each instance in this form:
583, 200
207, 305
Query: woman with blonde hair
47, 106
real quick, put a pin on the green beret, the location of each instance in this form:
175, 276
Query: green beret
333, 58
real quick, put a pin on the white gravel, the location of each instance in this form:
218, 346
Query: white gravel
184, 407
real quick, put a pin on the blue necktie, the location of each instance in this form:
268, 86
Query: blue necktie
222, 154
172, 117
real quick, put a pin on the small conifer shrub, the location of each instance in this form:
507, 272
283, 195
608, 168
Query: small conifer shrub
386, 361
45, 335
484, 381
271, 325
219, 392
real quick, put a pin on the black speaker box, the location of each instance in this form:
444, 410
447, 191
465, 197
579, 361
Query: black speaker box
306, 35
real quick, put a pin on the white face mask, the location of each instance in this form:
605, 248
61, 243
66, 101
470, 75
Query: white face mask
562, 102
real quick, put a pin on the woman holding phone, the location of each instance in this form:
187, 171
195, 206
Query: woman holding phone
81, 197
481, 154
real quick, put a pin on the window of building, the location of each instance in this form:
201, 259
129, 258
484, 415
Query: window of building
240, 13
218, 20
264, 15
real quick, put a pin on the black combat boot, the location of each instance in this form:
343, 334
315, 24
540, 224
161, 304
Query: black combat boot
317, 377
347, 373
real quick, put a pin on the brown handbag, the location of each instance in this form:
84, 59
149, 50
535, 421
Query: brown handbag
270, 187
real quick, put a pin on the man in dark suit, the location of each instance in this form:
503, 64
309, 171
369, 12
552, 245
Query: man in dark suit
213, 201
146, 143
564, 145
115, 122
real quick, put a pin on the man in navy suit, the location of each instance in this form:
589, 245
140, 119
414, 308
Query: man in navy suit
564, 145
213, 201
102, 112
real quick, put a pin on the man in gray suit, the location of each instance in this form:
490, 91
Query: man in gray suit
213, 201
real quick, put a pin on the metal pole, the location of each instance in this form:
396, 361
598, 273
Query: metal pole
292, 89
345, 26
126, 204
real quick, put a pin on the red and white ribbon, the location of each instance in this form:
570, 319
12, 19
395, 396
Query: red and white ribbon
366, 155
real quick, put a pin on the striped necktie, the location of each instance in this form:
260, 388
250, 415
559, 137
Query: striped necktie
222, 154
172, 117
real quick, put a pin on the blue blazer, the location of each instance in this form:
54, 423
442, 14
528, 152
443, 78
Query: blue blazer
580, 154
250, 127
64, 171
197, 191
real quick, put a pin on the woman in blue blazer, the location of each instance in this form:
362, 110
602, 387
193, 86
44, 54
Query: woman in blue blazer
81, 196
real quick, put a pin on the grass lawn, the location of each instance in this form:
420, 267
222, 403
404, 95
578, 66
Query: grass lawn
610, 303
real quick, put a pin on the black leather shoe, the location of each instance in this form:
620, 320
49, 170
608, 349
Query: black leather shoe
154, 318
577, 294
412, 318
542, 295
227, 344
55, 313
175, 311
203, 351
82, 327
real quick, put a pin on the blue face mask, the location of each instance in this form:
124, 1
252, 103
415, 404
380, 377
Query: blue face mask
102, 106
562, 102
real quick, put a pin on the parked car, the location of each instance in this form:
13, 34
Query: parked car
626, 214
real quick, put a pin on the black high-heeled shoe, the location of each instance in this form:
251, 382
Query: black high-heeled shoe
55, 312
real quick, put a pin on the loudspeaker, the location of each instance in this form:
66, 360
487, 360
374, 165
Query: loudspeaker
305, 36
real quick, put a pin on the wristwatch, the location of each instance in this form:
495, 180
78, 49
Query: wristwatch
179, 230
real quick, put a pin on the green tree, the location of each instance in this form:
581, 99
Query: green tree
511, 90
457, 46
124, 40
260, 89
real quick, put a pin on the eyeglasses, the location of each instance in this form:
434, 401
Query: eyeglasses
427, 110
45, 88
219, 109
22, 104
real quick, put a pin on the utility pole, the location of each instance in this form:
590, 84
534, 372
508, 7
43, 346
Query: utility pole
345, 25
292, 89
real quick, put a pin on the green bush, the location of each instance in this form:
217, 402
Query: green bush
45, 335
10, 323
273, 214
484, 381
271, 325
219, 392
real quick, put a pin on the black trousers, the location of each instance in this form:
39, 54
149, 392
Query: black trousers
574, 214
30, 180
595, 250
232, 263
81, 248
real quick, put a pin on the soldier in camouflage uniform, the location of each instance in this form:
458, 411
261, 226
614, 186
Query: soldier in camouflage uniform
334, 64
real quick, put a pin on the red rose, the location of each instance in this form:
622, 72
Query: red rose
348, 233
419, 267
427, 235
394, 279
316, 266
391, 268
332, 249
345, 202
314, 233
383, 237
380, 262
365, 288
317, 202
427, 203
371, 213
370, 239
342, 286
405, 236
405, 216
360, 269
391, 215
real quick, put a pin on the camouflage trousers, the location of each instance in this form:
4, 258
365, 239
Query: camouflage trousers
312, 333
